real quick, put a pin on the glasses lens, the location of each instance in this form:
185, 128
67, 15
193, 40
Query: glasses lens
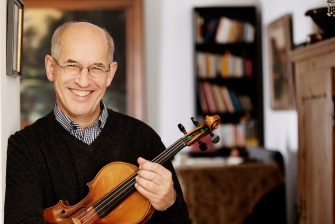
96, 71
72, 69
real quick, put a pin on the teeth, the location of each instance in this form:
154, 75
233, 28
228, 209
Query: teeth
80, 93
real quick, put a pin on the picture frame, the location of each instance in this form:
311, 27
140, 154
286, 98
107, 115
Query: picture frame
281, 80
14, 37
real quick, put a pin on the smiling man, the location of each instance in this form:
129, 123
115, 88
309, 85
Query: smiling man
55, 157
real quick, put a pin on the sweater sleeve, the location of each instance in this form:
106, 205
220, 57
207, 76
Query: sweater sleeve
178, 212
24, 195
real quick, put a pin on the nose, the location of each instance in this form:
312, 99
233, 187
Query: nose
83, 79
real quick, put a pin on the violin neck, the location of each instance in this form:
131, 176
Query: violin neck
168, 153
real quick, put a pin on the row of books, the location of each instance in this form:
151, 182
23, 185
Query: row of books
231, 135
220, 99
223, 30
226, 65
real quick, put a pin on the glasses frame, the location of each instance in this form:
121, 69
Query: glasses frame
81, 68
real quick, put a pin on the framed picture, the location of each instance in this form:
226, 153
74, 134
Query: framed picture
14, 37
279, 36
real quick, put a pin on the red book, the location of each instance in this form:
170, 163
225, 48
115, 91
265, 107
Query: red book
203, 98
248, 68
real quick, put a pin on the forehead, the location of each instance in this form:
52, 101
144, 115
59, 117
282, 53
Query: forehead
84, 43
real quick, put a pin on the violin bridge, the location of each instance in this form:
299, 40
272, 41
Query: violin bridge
76, 221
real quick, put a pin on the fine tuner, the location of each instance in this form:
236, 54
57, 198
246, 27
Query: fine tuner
202, 145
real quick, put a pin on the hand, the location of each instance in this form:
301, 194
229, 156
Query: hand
155, 183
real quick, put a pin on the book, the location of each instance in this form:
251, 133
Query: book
203, 99
249, 33
209, 97
245, 102
225, 93
240, 134
199, 22
201, 64
223, 30
225, 64
218, 99
211, 28
234, 99
248, 68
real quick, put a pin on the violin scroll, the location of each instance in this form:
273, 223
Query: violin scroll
212, 122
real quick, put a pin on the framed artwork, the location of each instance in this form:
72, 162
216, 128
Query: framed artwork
122, 19
14, 37
279, 36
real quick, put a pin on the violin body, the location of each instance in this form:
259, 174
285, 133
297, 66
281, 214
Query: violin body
134, 209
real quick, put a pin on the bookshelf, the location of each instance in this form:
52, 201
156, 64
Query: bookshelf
228, 72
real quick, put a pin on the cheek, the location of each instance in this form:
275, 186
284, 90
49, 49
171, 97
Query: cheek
61, 82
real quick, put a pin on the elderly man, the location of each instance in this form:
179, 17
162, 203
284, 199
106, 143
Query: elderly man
55, 157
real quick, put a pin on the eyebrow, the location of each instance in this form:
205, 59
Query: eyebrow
96, 64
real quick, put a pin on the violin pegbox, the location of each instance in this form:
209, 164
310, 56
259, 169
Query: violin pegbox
211, 123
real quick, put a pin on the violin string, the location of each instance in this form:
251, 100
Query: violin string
119, 187
129, 182
162, 158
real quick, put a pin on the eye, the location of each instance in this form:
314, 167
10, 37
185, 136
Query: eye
97, 69
72, 66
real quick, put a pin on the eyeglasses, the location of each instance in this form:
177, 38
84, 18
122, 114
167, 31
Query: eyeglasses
73, 69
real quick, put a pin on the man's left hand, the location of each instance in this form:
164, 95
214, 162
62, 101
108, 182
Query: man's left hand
155, 183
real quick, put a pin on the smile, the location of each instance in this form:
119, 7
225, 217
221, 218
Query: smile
81, 93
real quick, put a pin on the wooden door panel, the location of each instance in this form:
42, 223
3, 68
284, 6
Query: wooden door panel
315, 109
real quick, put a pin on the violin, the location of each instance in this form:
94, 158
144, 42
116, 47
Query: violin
112, 194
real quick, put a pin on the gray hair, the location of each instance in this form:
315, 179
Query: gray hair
56, 43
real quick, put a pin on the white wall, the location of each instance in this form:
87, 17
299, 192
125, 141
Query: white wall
170, 81
9, 102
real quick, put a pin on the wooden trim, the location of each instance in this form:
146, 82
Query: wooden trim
134, 43
319, 48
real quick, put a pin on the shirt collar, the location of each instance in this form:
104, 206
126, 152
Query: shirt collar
70, 125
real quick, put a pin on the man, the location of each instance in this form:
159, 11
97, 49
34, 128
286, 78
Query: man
55, 157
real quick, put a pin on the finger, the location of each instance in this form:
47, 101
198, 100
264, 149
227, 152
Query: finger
153, 198
155, 167
141, 160
158, 201
148, 185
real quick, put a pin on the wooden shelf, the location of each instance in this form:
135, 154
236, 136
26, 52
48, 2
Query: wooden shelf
208, 54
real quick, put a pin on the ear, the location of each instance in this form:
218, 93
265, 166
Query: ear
111, 73
49, 67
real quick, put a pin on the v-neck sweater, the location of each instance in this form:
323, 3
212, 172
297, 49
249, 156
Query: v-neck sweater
45, 164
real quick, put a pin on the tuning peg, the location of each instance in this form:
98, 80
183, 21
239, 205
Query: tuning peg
202, 145
214, 138
181, 128
195, 122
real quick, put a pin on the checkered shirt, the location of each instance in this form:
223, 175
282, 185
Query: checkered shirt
91, 132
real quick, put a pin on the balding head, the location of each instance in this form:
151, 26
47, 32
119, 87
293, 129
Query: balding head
73, 27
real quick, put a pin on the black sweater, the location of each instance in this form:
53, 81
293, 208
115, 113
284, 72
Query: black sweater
45, 163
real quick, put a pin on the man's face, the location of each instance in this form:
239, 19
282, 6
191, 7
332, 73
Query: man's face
79, 96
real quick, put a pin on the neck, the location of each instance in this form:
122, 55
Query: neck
86, 120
